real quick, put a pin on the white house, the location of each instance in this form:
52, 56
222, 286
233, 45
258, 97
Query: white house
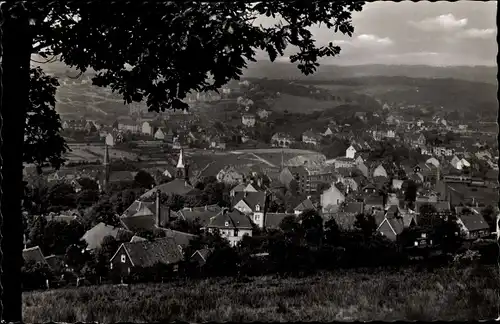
231, 225
159, 134
146, 128
331, 198
350, 152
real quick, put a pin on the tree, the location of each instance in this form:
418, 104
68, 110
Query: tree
61, 196
88, 184
144, 179
490, 217
365, 224
312, 227
322, 186
332, 232
427, 215
86, 198
43, 142
223, 35
103, 212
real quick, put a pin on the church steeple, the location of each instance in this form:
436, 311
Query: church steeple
181, 167
180, 162
106, 166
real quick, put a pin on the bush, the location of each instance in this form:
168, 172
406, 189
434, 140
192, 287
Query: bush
35, 274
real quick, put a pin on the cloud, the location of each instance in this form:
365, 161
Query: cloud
477, 33
441, 22
373, 39
365, 40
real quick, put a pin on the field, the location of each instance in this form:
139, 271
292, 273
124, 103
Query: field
83, 152
446, 294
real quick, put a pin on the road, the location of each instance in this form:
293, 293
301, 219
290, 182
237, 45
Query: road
274, 150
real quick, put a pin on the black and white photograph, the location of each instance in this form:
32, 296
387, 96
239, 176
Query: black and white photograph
241, 161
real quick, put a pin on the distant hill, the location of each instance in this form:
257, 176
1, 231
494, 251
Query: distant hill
275, 70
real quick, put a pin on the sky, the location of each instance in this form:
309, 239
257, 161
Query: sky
428, 33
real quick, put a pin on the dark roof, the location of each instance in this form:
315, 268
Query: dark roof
379, 217
234, 219
203, 253
148, 253
251, 198
374, 200
396, 224
474, 222
96, 234
203, 216
180, 238
142, 216
393, 209
305, 205
273, 220
239, 188
353, 207
33, 254
440, 205
176, 186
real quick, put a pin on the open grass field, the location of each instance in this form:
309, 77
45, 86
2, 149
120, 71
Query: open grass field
446, 294
91, 152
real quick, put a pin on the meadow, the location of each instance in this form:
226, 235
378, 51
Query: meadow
447, 294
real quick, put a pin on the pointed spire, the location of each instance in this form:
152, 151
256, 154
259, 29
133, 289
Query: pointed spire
180, 162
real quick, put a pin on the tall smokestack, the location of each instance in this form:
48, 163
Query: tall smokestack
157, 218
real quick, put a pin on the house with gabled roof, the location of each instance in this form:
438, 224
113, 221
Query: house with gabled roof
253, 204
303, 206
473, 226
201, 256
146, 254
232, 225
331, 199
391, 228
309, 137
282, 140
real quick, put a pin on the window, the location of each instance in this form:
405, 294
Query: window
416, 243
257, 207
123, 258
226, 224
111, 265
256, 218
424, 235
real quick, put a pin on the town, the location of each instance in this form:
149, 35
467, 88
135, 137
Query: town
396, 178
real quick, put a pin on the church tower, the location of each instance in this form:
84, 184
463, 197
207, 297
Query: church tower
181, 172
106, 167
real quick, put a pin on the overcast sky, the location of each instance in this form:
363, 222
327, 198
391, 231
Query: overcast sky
429, 33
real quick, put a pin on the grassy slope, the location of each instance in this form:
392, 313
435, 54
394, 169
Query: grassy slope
446, 294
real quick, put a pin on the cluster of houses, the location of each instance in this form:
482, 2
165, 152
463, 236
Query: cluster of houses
349, 187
